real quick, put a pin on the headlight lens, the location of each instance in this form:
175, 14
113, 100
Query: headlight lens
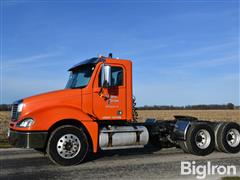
25, 123
20, 107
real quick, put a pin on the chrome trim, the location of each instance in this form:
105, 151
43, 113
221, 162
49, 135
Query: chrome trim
203, 139
233, 137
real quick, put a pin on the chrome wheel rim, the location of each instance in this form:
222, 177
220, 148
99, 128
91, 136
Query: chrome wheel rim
203, 139
233, 137
68, 146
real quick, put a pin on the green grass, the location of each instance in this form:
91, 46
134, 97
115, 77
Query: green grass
231, 178
4, 144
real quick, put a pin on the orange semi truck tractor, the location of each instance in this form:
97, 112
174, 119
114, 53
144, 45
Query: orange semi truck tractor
96, 111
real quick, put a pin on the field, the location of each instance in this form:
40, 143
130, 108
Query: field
212, 115
4, 122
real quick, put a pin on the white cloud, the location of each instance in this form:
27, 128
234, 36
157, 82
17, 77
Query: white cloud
30, 59
205, 63
203, 50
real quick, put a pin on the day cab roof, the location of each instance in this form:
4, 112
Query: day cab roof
96, 60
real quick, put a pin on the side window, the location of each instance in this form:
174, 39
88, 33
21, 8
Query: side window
117, 76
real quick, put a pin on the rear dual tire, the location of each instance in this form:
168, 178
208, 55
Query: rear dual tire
227, 137
199, 140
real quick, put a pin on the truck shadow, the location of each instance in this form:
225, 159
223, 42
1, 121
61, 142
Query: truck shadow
36, 159
123, 153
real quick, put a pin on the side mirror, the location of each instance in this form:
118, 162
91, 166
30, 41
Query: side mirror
106, 76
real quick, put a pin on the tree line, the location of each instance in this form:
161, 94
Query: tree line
7, 107
190, 107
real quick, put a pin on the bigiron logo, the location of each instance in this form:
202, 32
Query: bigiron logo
202, 171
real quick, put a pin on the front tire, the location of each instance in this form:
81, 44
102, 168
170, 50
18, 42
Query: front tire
67, 145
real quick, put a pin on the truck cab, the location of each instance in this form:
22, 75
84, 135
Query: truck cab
88, 98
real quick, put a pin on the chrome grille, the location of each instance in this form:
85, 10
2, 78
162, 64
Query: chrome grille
14, 112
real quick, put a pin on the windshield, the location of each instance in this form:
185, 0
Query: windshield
80, 77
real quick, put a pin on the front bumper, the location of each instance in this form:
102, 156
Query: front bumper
27, 139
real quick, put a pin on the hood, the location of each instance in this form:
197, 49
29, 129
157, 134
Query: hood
59, 95
69, 97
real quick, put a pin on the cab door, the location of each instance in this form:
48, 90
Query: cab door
110, 103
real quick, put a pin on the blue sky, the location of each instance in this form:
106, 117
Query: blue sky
183, 52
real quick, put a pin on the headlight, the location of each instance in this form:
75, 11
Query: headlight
20, 107
25, 123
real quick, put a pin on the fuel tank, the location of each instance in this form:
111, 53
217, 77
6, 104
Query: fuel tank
121, 137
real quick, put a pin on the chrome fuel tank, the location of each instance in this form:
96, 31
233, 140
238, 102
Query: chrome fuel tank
120, 137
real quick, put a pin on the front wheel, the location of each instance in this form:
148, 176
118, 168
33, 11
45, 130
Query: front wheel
67, 145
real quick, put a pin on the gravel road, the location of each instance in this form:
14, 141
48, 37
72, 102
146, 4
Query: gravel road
128, 164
